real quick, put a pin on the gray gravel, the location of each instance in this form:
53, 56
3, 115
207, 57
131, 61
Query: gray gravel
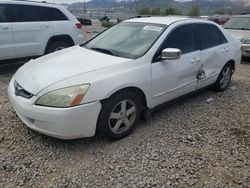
193, 143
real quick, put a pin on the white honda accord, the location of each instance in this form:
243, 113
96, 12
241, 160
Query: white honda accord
107, 84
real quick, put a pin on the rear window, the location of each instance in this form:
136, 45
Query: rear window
210, 36
3, 15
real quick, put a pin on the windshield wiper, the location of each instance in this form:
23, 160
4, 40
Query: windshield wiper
103, 50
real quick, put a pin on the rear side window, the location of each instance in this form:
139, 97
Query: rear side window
53, 14
210, 36
182, 38
3, 14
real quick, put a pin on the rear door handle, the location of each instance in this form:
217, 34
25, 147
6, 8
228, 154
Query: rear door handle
4, 28
225, 50
195, 60
44, 26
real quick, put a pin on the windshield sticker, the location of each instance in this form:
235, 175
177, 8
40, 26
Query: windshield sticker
152, 28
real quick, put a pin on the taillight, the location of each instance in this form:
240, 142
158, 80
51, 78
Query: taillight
78, 25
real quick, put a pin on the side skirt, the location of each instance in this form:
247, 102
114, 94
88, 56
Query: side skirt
147, 112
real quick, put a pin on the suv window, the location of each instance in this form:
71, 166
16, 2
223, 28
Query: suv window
210, 36
182, 38
30, 13
53, 14
26, 13
3, 15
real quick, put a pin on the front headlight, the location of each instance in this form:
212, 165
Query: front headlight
245, 40
66, 97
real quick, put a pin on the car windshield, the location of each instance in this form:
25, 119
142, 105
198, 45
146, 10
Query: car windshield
241, 23
127, 39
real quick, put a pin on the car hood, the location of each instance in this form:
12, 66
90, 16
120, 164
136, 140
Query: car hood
38, 74
239, 33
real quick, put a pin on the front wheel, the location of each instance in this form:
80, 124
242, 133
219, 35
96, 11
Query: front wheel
224, 78
119, 115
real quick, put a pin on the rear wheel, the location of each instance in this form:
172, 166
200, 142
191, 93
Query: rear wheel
119, 115
57, 45
224, 78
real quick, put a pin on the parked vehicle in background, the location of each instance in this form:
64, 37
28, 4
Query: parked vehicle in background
104, 18
205, 17
84, 21
105, 85
220, 18
239, 27
29, 29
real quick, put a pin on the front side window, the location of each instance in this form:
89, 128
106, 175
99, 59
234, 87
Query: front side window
182, 38
3, 14
127, 39
210, 36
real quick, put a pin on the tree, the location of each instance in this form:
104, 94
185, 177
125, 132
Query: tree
219, 11
144, 11
156, 11
194, 11
172, 11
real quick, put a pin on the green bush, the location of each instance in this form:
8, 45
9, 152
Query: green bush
194, 11
107, 24
156, 11
172, 11
144, 11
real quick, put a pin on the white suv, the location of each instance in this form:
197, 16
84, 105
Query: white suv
29, 29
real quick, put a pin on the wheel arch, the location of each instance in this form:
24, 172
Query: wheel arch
54, 38
133, 89
231, 62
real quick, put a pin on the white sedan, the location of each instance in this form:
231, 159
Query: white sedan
107, 84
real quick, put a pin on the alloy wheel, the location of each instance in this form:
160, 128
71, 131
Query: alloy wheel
226, 75
122, 116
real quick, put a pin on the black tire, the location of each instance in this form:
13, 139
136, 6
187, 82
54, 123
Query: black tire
221, 86
57, 45
105, 127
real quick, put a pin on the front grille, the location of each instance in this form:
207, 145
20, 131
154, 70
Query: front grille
19, 91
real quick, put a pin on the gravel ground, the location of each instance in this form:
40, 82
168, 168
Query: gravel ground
193, 143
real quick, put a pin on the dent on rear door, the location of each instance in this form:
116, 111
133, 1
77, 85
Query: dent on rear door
212, 60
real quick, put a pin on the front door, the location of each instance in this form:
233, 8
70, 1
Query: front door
7, 46
174, 78
30, 30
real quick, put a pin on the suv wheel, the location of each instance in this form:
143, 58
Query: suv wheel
119, 115
57, 45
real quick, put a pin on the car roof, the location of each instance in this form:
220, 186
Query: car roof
167, 20
24, 2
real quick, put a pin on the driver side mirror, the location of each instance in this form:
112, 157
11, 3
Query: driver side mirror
171, 54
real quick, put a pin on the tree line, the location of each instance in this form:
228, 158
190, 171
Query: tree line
194, 11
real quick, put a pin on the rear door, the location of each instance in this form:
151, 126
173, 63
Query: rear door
7, 46
214, 47
31, 30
